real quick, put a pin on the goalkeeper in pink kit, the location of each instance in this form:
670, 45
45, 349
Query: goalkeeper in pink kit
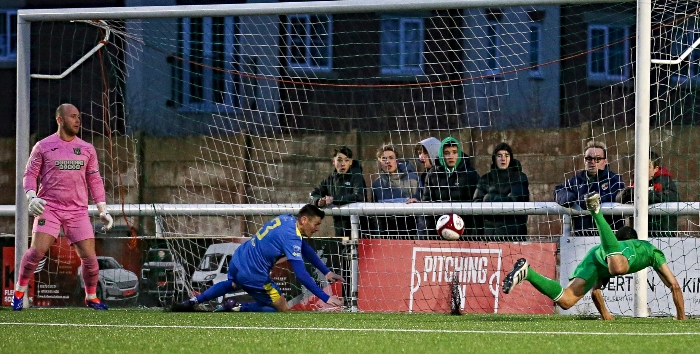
65, 166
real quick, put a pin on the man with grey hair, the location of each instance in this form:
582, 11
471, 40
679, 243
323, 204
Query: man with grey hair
596, 177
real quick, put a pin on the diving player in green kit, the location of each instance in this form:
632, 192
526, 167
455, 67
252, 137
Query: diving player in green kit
617, 254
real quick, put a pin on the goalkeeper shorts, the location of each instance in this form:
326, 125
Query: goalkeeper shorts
76, 224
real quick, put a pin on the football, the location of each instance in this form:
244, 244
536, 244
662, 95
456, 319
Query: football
450, 226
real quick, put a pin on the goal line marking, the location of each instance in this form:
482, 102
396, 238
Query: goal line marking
347, 329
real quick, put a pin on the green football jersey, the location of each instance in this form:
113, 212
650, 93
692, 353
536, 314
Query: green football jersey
640, 254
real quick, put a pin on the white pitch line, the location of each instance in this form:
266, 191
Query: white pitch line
400, 330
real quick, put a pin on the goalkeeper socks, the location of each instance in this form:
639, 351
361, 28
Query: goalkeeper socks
27, 266
219, 289
608, 241
90, 272
544, 285
255, 307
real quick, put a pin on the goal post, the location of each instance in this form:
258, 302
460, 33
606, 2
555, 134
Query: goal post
212, 118
641, 147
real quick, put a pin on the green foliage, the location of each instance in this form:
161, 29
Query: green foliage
152, 331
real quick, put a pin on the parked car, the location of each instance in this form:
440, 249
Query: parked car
114, 282
162, 278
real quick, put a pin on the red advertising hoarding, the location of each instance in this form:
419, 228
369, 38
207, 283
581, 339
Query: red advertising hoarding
415, 276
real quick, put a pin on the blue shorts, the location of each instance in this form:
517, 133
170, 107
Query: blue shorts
262, 289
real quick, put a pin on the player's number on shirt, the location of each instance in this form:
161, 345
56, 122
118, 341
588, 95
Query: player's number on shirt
275, 222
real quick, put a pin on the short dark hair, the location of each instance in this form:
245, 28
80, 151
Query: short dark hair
343, 150
654, 158
310, 210
626, 233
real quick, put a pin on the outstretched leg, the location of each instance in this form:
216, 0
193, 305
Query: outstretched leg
565, 298
219, 289
617, 263
522, 271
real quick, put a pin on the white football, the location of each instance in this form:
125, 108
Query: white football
450, 226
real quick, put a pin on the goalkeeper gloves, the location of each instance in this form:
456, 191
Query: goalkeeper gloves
36, 204
104, 216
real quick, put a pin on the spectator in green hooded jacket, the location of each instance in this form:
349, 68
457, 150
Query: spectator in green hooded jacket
452, 179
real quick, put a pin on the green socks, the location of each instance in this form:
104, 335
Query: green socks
608, 241
546, 286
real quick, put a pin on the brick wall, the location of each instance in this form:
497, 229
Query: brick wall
287, 167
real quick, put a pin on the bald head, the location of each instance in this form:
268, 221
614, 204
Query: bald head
61, 110
68, 119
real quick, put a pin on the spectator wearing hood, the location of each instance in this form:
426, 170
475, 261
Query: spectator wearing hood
452, 179
397, 183
505, 182
427, 152
344, 185
596, 177
662, 189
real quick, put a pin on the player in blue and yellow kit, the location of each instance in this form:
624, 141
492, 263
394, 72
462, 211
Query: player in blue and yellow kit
617, 254
252, 262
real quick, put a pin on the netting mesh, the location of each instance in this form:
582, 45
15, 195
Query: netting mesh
249, 110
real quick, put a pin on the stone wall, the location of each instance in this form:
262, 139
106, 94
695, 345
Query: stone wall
287, 167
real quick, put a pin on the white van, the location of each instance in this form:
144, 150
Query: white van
213, 267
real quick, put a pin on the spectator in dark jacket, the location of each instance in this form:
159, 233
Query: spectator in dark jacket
504, 183
427, 152
343, 186
598, 178
397, 183
452, 179
662, 189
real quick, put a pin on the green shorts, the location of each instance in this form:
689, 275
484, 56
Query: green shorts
594, 266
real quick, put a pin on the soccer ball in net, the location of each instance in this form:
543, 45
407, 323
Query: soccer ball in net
450, 226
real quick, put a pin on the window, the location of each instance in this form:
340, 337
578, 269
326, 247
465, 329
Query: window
205, 79
309, 41
402, 46
608, 53
8, 35
493, 45
534, 50
684, 40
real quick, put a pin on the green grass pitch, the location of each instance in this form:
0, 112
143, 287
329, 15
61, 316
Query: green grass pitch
77, 330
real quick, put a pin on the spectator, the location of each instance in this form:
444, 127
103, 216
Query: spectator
662, 189
504, 183
596, 177
344, 185
397, 183
452, 179
427, 152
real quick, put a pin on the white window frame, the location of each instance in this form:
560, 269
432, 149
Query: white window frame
494, 43
536, 46
308, 43
208, 103
606, 76
403, 50
680, 45
9, 36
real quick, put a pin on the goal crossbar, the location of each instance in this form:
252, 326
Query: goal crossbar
369, 209
284, 8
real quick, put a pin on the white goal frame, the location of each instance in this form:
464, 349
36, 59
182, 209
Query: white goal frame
642, 81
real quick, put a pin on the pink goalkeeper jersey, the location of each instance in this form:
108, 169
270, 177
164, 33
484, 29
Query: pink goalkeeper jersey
66, 169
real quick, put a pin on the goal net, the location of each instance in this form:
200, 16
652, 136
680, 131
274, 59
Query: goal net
221, 118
